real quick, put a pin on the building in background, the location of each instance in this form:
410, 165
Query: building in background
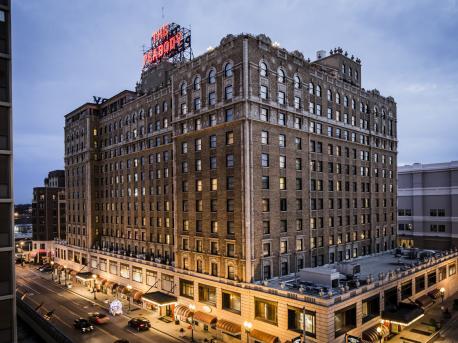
7, 244
48, 209
428, 205
226, 172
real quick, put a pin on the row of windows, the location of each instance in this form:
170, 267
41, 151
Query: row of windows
211, 78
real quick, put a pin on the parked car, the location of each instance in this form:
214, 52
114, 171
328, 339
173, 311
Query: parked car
139, 323
83, 325
46, 269
98, 318
46, 265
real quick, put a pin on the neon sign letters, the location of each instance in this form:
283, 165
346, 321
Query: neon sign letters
169, 41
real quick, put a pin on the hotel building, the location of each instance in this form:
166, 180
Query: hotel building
219, 179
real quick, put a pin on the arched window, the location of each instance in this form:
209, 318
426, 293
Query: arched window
183, 88
297, 81
263, 69
212, 76
329, 95
280, 75
311, 88
353, 104
318, 90
228, 69
338, 98
350, 72
346, 101
196, 83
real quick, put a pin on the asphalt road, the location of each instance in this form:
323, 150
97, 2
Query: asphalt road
69, 306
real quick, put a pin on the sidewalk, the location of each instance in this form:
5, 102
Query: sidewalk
170, 329
422, 331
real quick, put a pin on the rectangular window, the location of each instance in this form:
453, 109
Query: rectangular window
371, 308
207, 294
187, 289
231, 301
296, 321
265, 310
151, 277
406, 290
419, 283
137, 274
264, 115
264, 92
124, 271
344, 320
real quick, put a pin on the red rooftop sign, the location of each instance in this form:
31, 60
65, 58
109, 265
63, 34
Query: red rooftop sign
170, 41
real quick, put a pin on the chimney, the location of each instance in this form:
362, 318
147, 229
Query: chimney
320, 54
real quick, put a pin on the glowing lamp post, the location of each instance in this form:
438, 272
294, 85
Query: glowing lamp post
52, 271
442, 292
65, 276
192, 307
248, 327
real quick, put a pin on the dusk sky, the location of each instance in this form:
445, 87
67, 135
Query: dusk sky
64, 52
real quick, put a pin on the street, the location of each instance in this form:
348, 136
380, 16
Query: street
69, 306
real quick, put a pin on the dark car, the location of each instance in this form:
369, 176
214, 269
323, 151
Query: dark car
83, 325
139, 323
46, 269
46, 265
98, 318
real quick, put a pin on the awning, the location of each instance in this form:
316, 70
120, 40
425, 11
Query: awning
227, 326
73, 272
424, 301
120, 289
371, 334
262, 336
137, 295
126, 290
183, 311
204, 318
111, 285
435, 293
103, 282
161, 299
60, 267
85, 276
404, 314
39, 252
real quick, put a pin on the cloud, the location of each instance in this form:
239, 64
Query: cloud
420, 87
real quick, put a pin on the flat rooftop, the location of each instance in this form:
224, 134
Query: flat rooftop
368, 269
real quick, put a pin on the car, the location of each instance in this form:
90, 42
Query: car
139, 323
46, 265
98, 318
83, 325
46, 270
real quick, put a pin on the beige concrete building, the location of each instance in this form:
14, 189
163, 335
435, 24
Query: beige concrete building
239, 167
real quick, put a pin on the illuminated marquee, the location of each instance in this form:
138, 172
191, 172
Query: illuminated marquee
171, 41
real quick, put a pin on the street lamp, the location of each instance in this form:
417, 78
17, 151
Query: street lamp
94, 277
52, 270
129, 288
379, 333
442, 291
192, 307
248, 326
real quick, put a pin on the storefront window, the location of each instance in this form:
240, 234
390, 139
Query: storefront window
406, 290
103, 265
371, 308
151, 278
167, 282
187, 289
419, 283
94, 262
207, 294
296, 322
137, 274
432, 278
265, 310
451, 269
231, 301
442, 273
344, 320
114, 268
124, 271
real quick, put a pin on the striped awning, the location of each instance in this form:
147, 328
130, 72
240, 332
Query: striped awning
227, 326
183, 311
204, 317
262, 336
371, 334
